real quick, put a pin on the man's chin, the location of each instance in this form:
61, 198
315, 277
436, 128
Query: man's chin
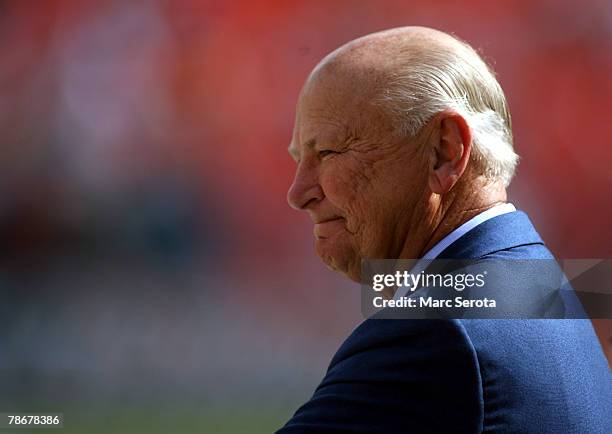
339, 258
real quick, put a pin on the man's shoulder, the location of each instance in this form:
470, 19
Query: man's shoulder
408, 338
527, 366
510, 373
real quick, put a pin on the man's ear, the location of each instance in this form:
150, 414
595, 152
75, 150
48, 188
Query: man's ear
450, 152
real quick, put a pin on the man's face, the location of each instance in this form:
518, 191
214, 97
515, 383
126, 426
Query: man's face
361, 185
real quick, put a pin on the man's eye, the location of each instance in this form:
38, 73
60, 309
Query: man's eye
326, 152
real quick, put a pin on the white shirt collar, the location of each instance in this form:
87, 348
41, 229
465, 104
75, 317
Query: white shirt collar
433, 253
502, 208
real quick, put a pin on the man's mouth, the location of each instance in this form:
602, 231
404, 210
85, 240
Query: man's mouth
327, 219
325, 228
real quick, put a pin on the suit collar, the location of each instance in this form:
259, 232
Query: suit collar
498, 233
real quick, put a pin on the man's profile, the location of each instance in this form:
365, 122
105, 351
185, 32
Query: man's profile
403, 145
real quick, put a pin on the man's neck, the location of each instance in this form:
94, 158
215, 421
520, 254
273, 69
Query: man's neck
454, 210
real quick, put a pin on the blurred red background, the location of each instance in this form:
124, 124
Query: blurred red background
144, 152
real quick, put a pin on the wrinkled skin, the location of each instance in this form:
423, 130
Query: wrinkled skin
370, 192
356, 171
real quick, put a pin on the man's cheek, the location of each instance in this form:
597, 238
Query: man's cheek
337, 182
347, 173
341, 194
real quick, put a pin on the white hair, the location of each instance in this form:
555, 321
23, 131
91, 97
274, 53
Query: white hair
430, 80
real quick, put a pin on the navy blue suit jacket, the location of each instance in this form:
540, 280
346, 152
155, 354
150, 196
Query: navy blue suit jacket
466, 376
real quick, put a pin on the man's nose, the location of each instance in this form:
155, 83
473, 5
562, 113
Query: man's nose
305, 188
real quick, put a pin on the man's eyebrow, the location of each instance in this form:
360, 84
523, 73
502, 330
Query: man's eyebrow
294, 152
311, 143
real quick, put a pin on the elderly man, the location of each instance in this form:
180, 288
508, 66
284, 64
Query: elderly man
403, 146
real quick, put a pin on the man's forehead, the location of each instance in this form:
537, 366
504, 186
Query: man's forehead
344, 79
337, 99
